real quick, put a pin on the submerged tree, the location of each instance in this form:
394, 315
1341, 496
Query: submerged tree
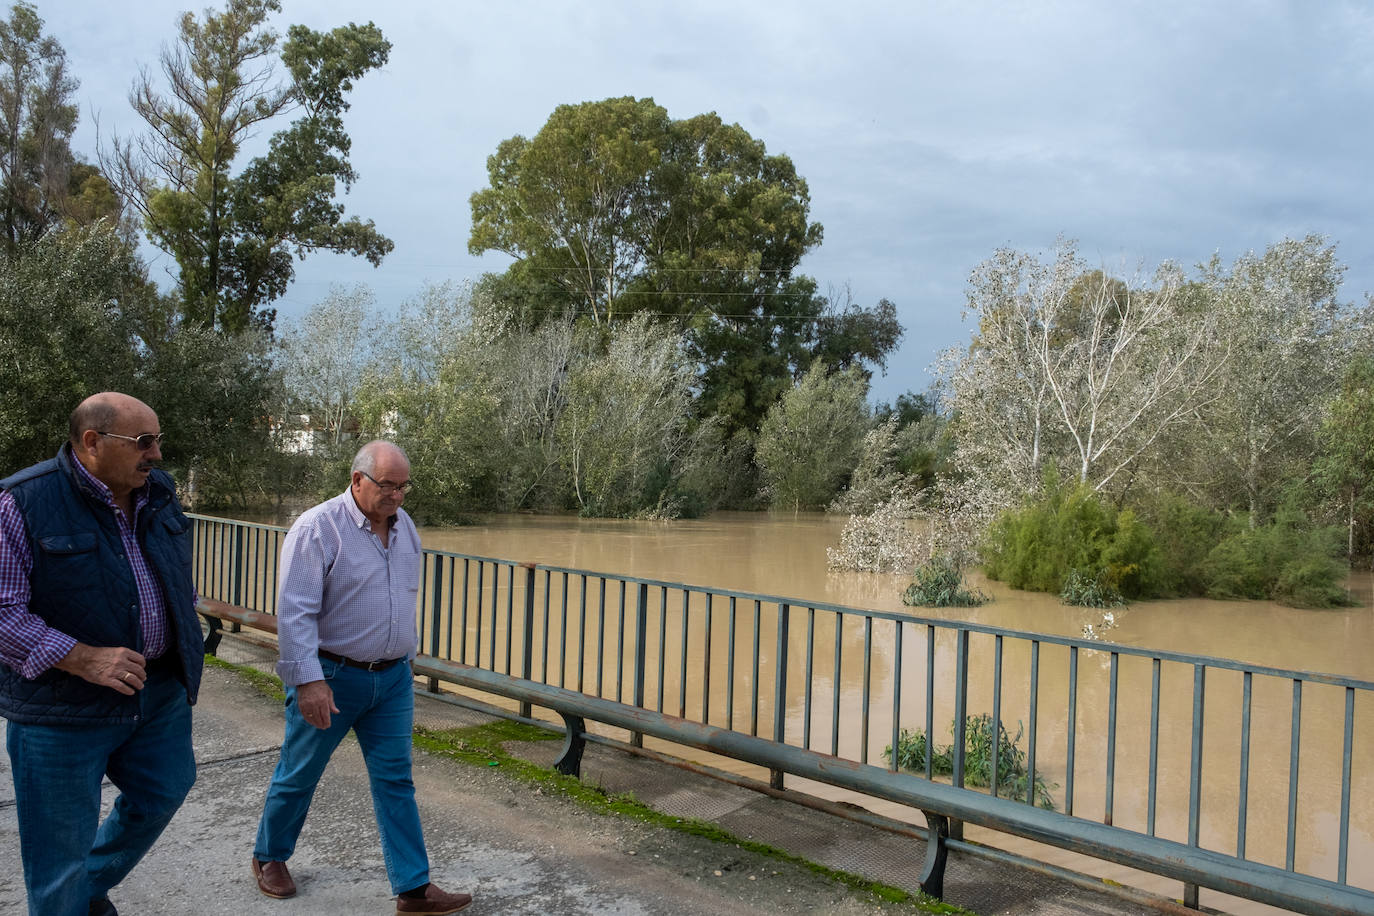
235, 237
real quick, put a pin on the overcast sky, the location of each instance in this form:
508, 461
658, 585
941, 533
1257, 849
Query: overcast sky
930, 133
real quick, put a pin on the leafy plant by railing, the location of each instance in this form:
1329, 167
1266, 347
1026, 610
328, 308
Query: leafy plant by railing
1012, 773
939, 582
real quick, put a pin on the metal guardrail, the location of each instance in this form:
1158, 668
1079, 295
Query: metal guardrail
546, 636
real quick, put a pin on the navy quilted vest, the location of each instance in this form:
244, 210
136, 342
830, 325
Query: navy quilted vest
82, 585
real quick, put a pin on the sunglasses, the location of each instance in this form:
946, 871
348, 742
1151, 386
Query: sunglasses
143, 442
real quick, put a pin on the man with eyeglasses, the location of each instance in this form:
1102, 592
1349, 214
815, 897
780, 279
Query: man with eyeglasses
350, 573
102, 653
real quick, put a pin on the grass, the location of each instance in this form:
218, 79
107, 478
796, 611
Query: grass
484, 746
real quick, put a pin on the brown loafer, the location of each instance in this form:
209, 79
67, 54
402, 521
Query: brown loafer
436, 902
273, 879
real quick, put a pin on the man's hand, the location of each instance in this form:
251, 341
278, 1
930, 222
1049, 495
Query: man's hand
316, 701
114, 666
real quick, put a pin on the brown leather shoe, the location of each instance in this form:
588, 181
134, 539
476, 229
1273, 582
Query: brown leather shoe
435, 903
273, 879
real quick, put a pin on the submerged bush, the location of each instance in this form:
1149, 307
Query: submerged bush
940, 582
1089, 591
1012, 773
1288, 561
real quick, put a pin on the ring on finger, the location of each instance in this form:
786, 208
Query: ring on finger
125, 678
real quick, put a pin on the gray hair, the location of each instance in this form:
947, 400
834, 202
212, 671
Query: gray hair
366, 459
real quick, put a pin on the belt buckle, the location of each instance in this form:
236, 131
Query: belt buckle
375, 666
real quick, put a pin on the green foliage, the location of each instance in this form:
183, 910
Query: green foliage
1089, 591
1344, 471
811, 440
939, 582
235, 237
1012, 772
65, 333
1288, 561
1069, 528
1184, 533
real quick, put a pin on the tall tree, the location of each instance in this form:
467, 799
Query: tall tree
235, 237
42, 183
813, 437
1345, 463
324, 356
1291, 341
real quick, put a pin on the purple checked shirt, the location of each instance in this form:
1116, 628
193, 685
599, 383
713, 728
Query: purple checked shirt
342, 591
27, 644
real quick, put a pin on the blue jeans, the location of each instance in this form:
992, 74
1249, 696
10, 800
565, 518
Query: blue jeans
380, 708
69, 856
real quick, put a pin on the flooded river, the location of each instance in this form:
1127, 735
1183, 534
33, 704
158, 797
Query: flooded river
785, 555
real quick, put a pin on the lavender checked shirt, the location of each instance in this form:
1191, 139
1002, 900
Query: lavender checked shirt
343, 592
27, 644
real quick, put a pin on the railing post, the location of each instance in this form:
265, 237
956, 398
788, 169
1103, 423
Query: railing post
956, 827
527, 657
641, 645
236, 587
780, 689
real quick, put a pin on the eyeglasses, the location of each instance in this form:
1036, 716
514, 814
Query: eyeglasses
389, 488
144, 442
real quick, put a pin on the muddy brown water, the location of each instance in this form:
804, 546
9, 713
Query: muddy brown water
785, 555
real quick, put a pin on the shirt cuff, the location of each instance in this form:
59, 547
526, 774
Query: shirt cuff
51, 649
295, 673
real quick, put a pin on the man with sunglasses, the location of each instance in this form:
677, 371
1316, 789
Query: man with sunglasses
102, 653
350, 572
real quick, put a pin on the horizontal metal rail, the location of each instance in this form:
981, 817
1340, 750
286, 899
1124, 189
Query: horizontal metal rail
814, 690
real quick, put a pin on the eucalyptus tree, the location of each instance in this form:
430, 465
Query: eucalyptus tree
324, 355
235, 236
1291, 341
812, 439
626, 423
1073, 365
42, 182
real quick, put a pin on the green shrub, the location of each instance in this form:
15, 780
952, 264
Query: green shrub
1066, 528
1090, 591
1184, 533
1012, 774
1287, 560
940, 583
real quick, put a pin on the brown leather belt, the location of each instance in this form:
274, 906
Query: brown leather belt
380, 665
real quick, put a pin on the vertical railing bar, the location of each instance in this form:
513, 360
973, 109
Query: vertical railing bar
1343, 849
896, 695
835, 687
1294, 755
563, 633
1109, 804
1150, 803
510, 614
527, 645
997, 719
495, 612
866, 688
448, 612
581, 632
436, 601
1072, 740
775, 778
1034, 721
662, 640
480, 591
960, 737
810, 671
620, 647
463, 634
641, 651
758, 651
600, 634
706, 662
930, 699
544, 648
730, 671
682, 662
1243, 792
1195, 764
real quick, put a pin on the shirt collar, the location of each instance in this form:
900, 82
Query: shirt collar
362, 521
140, 495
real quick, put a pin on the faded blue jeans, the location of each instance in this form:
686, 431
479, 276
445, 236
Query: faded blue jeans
380, 708
69, 856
